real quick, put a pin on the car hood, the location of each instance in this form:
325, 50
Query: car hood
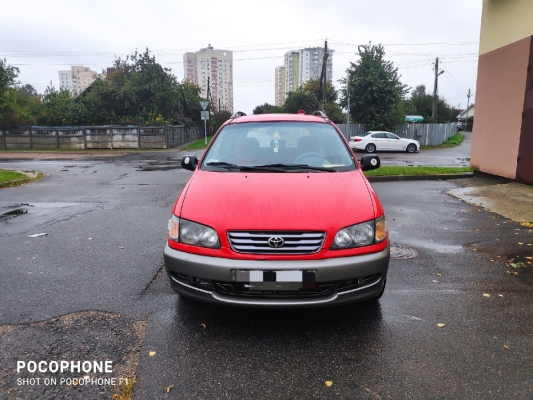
277, 201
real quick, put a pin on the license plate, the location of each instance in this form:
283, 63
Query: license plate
275, 280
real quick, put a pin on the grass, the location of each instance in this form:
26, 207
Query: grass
198, 144
7, 176
10, 178
454, 141
393, 170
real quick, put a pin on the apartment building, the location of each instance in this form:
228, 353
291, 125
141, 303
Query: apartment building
303, 65
214, 67
78, 78
279, 95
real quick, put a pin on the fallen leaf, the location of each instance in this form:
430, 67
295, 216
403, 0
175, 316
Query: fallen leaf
529, 258
37, 235
439, 274
89, 238
505, 346
122, 247
434, 281
205, 327
486, 295
529, 244
475, 249
168, 389
329, 383
445, 229
151, 353
501, 295
520, 243
10, 390
516, 273
441, 325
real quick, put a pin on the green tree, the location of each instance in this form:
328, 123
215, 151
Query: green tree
299, 100
376, 92
56, 107
19, 105
421, 103
267, 109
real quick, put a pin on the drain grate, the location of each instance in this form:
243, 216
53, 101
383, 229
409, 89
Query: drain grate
401, 252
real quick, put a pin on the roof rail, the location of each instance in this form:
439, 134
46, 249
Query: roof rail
320, 114
237, 114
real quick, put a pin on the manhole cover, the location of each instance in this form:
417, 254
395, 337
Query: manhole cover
401, 252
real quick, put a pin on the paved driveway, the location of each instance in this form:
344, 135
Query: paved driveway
455, 157
94, 288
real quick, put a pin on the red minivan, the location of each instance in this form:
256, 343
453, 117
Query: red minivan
278, 213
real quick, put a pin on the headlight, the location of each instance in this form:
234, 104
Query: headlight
188, 232
363, 234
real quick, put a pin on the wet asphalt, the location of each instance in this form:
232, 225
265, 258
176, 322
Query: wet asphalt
100, 265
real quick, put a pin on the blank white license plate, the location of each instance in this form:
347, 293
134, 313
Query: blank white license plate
280, 280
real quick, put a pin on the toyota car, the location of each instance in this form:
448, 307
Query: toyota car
278, 213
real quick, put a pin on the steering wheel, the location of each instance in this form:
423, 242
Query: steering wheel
310, 154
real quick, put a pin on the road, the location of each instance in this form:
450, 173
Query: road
456, 157
94, 288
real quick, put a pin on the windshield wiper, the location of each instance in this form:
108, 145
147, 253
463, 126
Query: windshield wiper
284, 167
223, 164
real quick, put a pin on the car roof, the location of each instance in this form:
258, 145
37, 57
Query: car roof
278, 118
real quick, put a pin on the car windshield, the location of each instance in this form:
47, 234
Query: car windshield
278, 147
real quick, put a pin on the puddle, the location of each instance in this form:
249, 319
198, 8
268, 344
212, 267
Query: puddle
464, 159
13, 213
161, 165
434, 246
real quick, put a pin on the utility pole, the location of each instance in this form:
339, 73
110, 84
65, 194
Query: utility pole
348, 96
467, 106
323, 79
435, 90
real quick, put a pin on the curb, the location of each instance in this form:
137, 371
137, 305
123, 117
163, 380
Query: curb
396, 178
16, 182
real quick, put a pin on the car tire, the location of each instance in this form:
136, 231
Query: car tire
411, 148
370, 148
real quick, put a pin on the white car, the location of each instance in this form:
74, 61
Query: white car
381, 140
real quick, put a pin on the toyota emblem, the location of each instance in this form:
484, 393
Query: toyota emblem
276, 242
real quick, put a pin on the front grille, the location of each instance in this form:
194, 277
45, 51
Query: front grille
257, 242
241, 289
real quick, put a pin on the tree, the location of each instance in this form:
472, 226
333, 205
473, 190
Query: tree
19, 105
299, 100
267, 109
376, 92
421, 103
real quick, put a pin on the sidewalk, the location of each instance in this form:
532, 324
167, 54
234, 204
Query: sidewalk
511, 200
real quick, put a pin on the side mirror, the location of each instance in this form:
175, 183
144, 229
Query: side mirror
189, 162
370, 161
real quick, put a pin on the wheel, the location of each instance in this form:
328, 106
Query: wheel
310, 154
370, 148
411, 148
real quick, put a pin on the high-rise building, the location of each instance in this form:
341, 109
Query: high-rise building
279, 95
78, 78
213, 66
303, 65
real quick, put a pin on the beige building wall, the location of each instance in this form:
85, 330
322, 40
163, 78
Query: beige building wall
504, 22
505, 53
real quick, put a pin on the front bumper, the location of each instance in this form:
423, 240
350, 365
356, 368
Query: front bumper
190, 275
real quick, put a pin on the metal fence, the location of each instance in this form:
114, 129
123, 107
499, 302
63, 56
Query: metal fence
97, 137
426, 134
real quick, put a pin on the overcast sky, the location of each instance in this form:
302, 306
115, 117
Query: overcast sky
41, 37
